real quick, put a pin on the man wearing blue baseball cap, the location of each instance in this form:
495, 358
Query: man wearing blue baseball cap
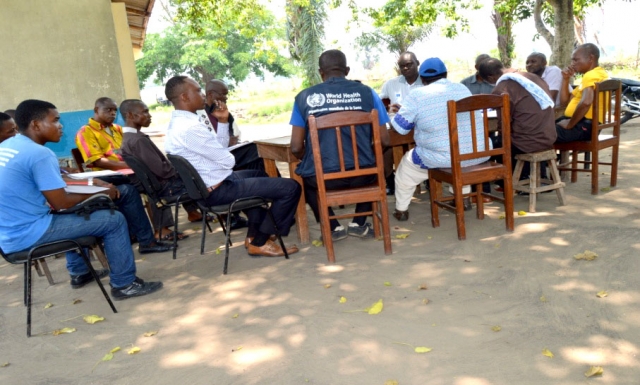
424, 110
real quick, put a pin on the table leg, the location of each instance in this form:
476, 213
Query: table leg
270, 168
302, 222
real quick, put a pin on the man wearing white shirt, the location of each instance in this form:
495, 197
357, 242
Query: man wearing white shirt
393, 90
188, 137
552, 75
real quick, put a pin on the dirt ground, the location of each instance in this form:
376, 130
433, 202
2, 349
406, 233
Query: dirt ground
492, 304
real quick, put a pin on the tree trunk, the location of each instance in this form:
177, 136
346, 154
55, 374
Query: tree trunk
564, 34
505, 36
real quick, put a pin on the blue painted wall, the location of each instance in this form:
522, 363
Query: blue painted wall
71, 123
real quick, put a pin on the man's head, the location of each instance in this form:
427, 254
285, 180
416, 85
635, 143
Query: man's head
105, 111
333, 63
8, 127
536, 63
184, 93
431, 70
585, 58
11, 113
135, 113
39, 120
480, 58
491, 70
216, 90
408, 64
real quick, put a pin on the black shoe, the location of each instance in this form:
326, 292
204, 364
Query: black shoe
466, 202
159, 247
238, 222
391, 184
137, 288
78, 281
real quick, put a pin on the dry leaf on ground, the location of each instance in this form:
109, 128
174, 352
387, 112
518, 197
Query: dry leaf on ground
502, 216
235, 315
236, 349
547, 352
587, 256
425, 301
134, 350
316, 243
387, 283
63, 331
151, 333
343, 299
391, 382
522, 213
4, 364
602, 294
422, 287
91, 319
543, 299
496, 328
594, 371
402, 236
76, 301
108, 357
116, 349
375, 308
218, 251
48, 305
421, 349
328, 285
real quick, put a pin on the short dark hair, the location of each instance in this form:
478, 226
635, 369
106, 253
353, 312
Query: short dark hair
540, 55
490, 67
30, 110
173, 87
4, 117
591, 49
482, 57
127, 106
412, 55
101, 101
333, 60
11, 112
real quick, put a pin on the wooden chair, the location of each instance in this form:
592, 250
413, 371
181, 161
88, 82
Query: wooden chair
77, 157
606, 105
344, 126
459, 176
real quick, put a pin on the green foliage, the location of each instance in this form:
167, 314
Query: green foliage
229, 52
305, 31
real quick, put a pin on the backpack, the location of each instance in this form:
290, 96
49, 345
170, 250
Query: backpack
89, 205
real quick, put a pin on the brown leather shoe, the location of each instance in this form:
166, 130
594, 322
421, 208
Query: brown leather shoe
401, 215
270, 249
248, 240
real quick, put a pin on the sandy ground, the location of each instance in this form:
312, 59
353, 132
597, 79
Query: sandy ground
275, 321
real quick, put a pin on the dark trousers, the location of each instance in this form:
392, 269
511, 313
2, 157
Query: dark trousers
284, 192
311, 194
580, 132
164, 217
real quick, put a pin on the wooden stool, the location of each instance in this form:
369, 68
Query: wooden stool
533, 184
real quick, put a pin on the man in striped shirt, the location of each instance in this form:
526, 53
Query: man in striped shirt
188, 137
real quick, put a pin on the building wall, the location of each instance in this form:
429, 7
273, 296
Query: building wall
63, 51
127, 61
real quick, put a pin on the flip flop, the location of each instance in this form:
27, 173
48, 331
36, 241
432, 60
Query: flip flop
169, 237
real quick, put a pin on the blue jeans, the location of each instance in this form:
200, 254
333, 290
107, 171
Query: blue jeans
130, 205
285, 194
112, 228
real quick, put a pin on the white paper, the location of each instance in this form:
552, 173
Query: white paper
93, 174
79, 189
231, 148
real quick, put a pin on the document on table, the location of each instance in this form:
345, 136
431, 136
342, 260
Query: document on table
98, 174
81, 189
242, 144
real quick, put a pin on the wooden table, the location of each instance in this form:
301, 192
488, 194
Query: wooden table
400, 145
279, 149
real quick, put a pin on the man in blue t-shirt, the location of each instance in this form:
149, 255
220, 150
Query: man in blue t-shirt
336, 93
30, 182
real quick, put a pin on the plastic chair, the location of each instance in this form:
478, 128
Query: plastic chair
489, 171
607, 104
26, 257
198, 192
152, 188
344, 126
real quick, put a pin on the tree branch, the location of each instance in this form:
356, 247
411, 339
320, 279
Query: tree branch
540, 27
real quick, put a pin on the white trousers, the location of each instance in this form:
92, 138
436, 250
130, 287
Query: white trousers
408, 176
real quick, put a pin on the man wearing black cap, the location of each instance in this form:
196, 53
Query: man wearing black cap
425, 112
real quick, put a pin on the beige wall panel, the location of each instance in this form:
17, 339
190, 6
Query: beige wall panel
127, 61
62, 51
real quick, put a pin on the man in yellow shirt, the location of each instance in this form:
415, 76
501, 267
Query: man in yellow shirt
99, 141
576, 123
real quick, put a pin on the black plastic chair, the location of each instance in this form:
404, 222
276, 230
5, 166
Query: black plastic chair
26, 257
198, 192
152, 188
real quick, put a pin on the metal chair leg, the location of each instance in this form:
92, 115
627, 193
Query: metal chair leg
85, 257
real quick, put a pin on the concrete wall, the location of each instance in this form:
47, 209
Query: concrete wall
127, 61
63, 51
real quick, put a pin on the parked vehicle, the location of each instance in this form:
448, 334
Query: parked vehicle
630, 100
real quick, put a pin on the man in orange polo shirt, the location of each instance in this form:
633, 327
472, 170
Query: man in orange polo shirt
99, 141
576, 123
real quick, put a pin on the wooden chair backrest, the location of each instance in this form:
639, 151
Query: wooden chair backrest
77, 157
344, 126
606, 108
481, 104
